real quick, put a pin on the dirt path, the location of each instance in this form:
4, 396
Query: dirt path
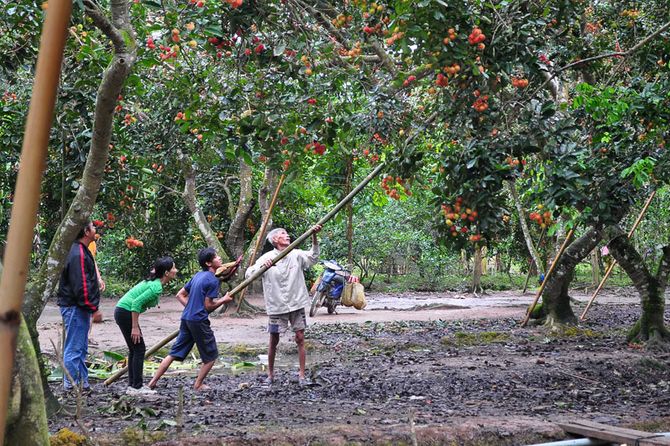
159, 322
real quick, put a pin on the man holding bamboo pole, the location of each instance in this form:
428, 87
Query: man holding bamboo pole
286, 294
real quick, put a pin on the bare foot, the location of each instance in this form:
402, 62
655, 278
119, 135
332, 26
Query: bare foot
202, 388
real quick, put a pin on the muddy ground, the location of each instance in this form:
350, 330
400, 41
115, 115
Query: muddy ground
424, 368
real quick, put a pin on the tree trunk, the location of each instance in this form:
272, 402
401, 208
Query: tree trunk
477, 271
650, 327
27, 418
245, 204
270, 184
556, 300
191, 200
122, 37
266, 192
595, 267
511, 186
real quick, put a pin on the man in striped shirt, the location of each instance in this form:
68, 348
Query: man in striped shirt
78, 298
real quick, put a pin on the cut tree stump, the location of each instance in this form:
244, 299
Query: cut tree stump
614, 434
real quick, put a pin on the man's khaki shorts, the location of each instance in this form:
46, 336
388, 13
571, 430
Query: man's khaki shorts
279, 323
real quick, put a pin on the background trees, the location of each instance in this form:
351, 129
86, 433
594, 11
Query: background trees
323, 92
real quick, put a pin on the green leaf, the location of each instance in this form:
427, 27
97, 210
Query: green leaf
113, 356
243, 365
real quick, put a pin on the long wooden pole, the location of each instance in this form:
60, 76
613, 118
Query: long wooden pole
262, 270
565, 244
261, 234
531, 262
614, 262
27, 192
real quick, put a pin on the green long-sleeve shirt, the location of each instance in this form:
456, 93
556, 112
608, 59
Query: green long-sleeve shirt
142, 296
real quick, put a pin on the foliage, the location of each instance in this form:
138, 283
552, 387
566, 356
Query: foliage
455, 100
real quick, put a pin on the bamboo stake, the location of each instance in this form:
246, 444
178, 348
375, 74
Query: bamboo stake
531, 262
27, 192
261, 234
614, 262
546, 277
264, 268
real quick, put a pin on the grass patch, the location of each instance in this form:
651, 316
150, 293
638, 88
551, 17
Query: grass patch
65, 437
140, 437
656, 426
571, 331
465, 339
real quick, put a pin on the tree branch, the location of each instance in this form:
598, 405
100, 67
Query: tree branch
104, 25
386, 60
604, 56
511, 185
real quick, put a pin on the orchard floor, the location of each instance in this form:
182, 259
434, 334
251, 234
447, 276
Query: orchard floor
427, 368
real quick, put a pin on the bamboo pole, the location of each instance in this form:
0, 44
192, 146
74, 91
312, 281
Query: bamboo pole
261, 234
531, 262
546, 277
27, 192
264, 268
614, 262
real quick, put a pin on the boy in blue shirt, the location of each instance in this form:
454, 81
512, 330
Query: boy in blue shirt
199, 298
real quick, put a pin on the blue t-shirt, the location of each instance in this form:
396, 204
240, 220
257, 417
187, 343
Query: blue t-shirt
203, 284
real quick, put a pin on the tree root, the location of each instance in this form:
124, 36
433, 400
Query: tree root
556, 325
656, 339
247, 310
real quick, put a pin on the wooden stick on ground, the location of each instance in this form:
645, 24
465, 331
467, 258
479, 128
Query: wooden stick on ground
565, 244
27, 193
262, 270
613, 264
261, 234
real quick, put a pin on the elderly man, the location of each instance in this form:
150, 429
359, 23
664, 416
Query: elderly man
285, 294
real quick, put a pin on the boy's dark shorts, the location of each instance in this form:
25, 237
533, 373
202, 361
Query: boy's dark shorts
199, 333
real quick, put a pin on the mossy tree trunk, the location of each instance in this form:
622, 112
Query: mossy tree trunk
651, 288
41, 288
556, 307
27, 418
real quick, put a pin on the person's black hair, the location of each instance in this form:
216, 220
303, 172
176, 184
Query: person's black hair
206, 255
160, 267
82, 231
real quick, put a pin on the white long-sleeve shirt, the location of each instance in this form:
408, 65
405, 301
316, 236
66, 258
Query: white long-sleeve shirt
284, 284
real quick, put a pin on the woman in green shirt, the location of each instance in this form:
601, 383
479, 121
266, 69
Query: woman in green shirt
141, 297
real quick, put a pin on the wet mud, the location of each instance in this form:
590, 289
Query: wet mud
460, 382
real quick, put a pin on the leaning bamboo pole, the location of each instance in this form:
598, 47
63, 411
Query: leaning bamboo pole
264, 268
261, 234
614, 262
532, 262
27, 192
565, 244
